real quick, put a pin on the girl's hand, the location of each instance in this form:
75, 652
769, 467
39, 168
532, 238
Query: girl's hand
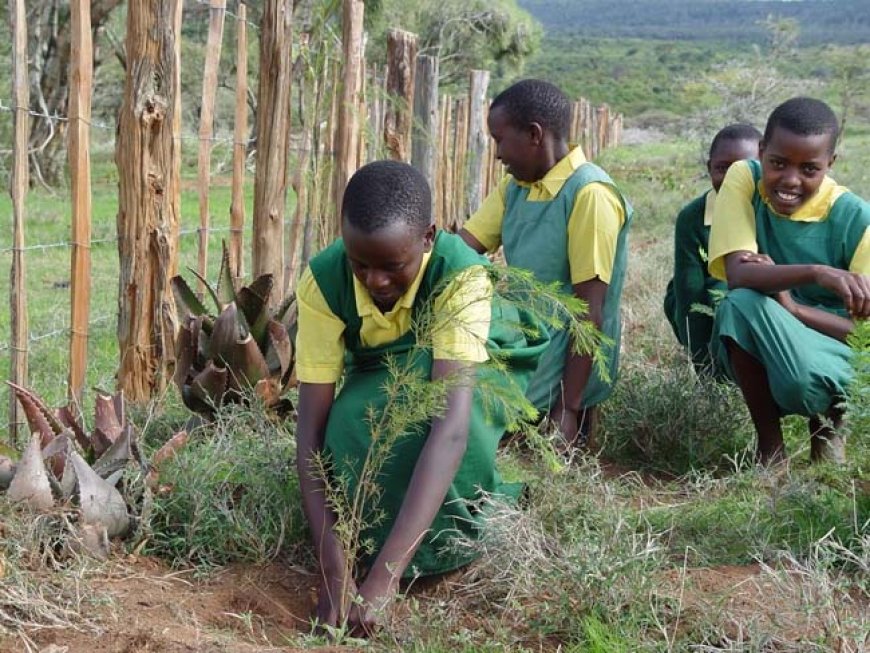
368, 612
851, 287
335, 598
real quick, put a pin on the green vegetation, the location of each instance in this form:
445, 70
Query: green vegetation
845, 21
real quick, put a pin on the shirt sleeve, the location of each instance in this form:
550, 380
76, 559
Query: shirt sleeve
320, 338
462, 314
860, 262
733, 227
593, 230
485, 223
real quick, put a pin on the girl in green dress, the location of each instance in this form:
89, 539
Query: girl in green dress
391, 310
795, 249
692, 284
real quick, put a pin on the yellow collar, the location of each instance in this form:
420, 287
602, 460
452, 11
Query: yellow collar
366, 307
814, 209
709, 205
551, 183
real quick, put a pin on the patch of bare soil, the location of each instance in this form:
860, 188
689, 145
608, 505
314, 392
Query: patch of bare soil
151, 609
742, 602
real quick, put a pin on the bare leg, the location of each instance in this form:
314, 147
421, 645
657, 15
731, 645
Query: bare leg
752, 379
825, 442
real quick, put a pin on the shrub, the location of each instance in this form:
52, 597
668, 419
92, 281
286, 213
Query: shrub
665, 417
230, 495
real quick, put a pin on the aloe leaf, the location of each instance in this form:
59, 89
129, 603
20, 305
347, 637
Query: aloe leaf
39, 417
54, 455
194, 403
185, 354
186, 300
117, 455
7, 471
99, 501
226, 290
210, 384
107, 426
279, 349
211, 291
246, 364
168, 451
224, 335
30, 484
67, 416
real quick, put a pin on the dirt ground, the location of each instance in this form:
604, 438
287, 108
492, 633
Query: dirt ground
148, 608
145, 607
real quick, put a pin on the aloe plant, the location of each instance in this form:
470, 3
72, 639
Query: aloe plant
242, 345
64, 463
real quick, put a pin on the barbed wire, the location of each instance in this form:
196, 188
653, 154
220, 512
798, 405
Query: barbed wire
231, 14
7, 106
103, 241
65, 330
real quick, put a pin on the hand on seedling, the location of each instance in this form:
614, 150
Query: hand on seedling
368, 611
851, 287
335, 598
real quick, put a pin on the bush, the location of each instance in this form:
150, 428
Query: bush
230, 495
665, 417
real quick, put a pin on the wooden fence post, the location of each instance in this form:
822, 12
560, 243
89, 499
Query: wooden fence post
240, 135
148, 156
477, 137
401, 70
424, 154
347, 135
206, 127
81, 82
18, 191
273, 141
460, 158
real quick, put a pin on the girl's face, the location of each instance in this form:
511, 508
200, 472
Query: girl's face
518, 149
727, 152
387, 260
793, 167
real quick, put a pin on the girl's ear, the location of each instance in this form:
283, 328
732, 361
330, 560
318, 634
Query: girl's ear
536, 133
429, 238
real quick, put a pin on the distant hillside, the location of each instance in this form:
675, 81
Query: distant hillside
821, 21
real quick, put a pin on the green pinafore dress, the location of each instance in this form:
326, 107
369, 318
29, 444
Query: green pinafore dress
807, 370
535, 237
512, 342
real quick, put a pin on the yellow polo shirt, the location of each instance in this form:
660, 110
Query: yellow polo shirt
593, 226
460, 314
733, 227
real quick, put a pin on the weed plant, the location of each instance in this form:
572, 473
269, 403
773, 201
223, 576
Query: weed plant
667, 418
230, 495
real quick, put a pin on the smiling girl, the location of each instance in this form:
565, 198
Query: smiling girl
794, 247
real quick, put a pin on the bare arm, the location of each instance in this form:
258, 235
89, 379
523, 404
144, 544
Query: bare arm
578, 367
315, 403
471, 241
434, 472
758, 272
